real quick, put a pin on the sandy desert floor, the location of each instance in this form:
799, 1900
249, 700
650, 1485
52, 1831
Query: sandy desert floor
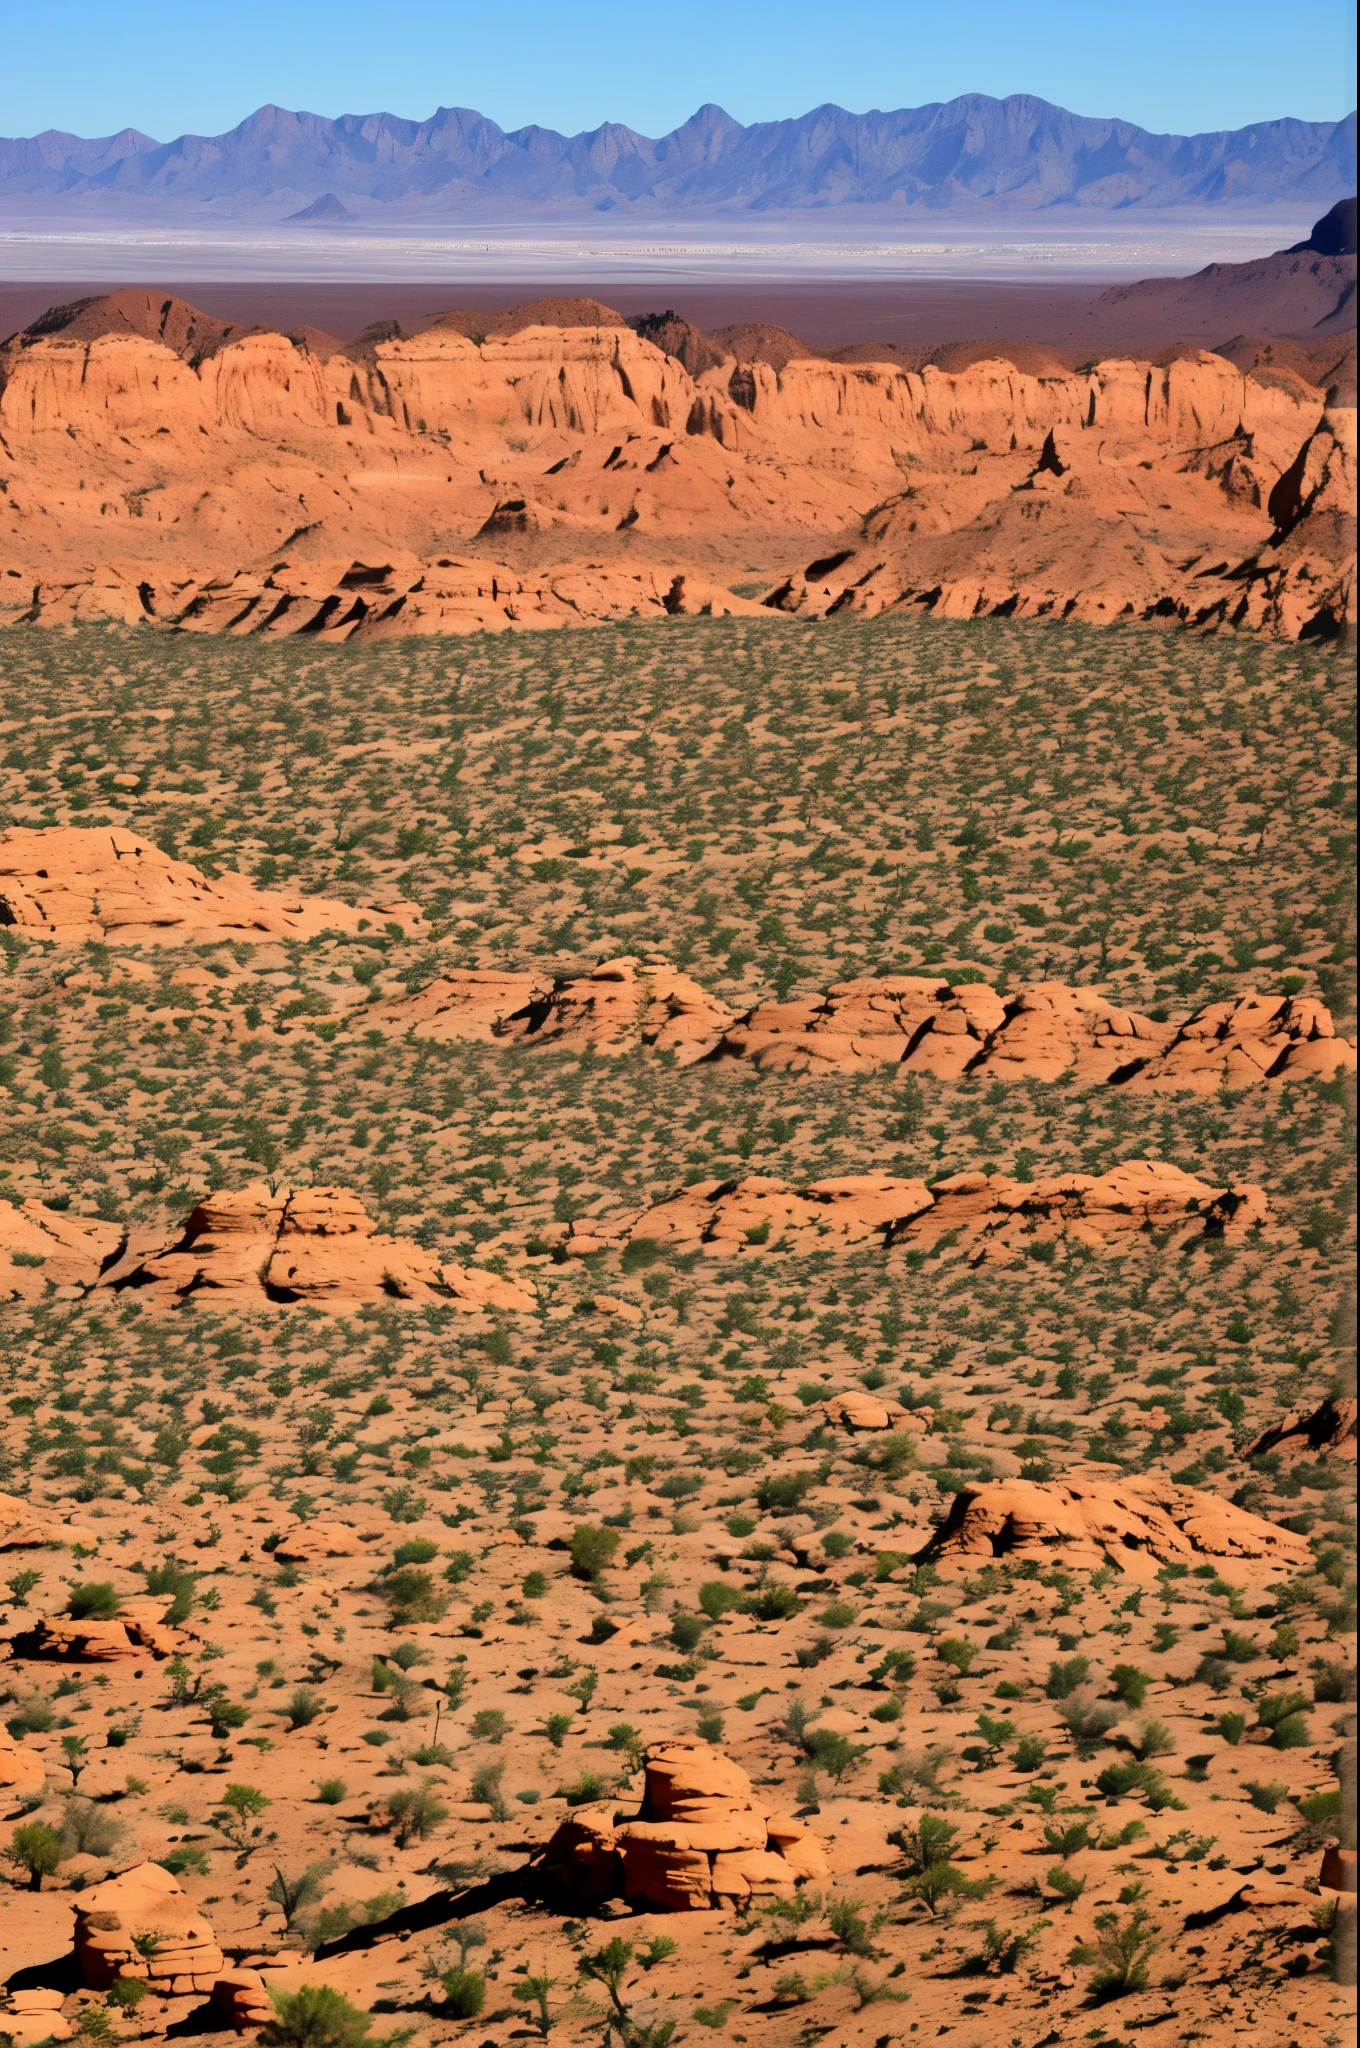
370, 1664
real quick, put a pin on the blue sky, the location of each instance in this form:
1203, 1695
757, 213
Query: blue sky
92, 66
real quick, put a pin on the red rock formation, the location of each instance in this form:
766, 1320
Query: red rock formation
619, 1006
855, 1410
1040, 1034
80, 1642
310, 1542
240, 2000
990, 1217
1135, 1524
700, 1839
728, 1217
23, 1774
913, 1021
1329, 1427
315, 1245
25, 1525
477, 1005
1028, 492
34, 2017
1245, 1040
626, 1003
73, 884
39, 1245
995, 1220
386, 595
145, 1900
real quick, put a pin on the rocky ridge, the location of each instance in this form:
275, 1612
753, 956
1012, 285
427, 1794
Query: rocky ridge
1128, 491
913, 1021
993, 1219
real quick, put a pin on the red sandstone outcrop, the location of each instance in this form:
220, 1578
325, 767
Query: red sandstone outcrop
727, 1217
240, 2000
41, 1247
1328, 1427
313, 1245
26, 1525
32, 2017
470, 1004
311, 1542
143, 1902
1040, 1034
995, 1220
385, 594
1052, 1030
1125, 491
619, 1006
626, 1003
990, 1218
23, 1774
1245, 1040
138, 1628
856, 1409
1135, 1524
700, 1839
74, 884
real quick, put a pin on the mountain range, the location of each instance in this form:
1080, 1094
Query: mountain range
971, 154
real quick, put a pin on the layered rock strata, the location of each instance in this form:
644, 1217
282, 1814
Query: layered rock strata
142, 1925
265, 487
701, 1838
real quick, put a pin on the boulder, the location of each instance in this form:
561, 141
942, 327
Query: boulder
239, 2000
1329, 1427
1338, 1870
700, 1839
310, 1542
145, 1901
1244, 1041
33, 2017
1137, 1525
313, 1244
856, 1409
78, 883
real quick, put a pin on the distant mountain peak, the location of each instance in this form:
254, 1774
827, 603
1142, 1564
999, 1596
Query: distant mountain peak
326, 208
970, 154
